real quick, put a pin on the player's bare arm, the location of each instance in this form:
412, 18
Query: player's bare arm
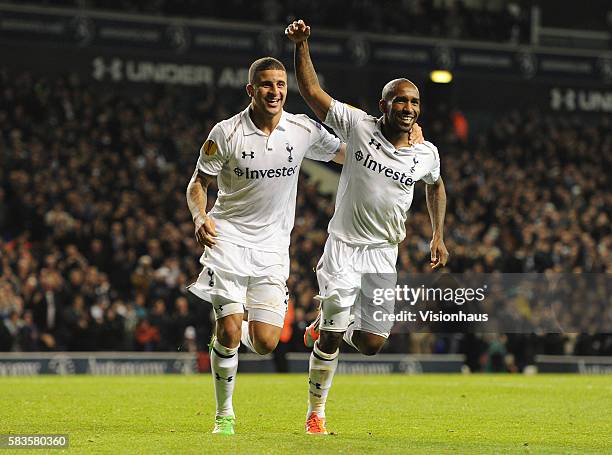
341, 155
308, 83
205, 230
436, 205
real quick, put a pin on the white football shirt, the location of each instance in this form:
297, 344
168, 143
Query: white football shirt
377, 181
258, 176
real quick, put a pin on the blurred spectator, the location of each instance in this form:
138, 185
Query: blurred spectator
146, 336
162, 323
181, 320
76, 323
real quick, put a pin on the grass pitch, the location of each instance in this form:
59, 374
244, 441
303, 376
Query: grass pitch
367, 414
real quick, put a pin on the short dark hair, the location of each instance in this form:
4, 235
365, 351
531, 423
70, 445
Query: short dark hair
390, 87
263, 64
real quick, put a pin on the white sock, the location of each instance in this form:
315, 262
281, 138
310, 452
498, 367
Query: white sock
245, 338
224, 366
320, 375
348, 335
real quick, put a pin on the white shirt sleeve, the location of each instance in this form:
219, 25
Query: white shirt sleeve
434, 173
214, 152
323, 145
342, 118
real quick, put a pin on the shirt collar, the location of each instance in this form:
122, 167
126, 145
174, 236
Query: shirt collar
248, 127
379, 134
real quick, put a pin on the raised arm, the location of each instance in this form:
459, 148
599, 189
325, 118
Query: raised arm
308, 83
436, 206
196, 200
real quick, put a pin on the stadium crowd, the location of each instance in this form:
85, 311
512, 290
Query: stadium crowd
490, 21
97, 245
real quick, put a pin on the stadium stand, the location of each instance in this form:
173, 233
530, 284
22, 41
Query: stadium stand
491, 21
96, 242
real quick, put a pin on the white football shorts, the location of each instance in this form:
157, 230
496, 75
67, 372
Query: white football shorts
348, 272
235, 277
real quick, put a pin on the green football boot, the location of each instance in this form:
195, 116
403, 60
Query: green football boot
224, 425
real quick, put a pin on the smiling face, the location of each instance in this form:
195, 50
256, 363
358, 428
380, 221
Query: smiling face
400, 105
268, 92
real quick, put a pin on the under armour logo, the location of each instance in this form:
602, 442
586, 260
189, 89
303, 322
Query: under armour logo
375, 143
328, 322
221, 378
239, 172
561, 99
414, 160
114, 69
289, 149
358, 155
250, 155
211, 275
316, 384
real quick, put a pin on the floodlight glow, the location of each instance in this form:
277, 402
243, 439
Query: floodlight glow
441, 76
